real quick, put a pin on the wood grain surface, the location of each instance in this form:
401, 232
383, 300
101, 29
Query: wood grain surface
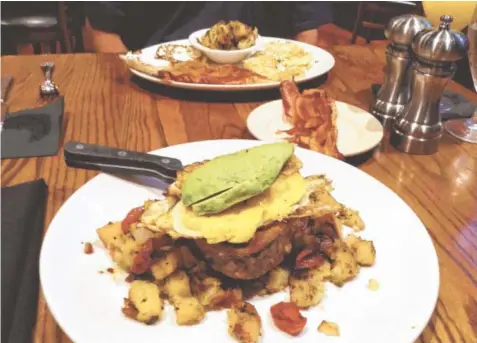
106, 105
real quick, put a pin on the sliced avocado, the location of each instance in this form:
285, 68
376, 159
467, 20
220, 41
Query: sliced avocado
230, 179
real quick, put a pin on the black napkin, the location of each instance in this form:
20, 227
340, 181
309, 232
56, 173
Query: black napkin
23, 209
33, 132
452, 106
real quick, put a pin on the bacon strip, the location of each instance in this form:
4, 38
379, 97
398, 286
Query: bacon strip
313, 116
289, 92
201, 72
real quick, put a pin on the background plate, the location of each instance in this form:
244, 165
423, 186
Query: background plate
87, 304
358, 131
323, 61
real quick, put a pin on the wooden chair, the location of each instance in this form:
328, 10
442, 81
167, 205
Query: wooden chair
45, 30
375, 15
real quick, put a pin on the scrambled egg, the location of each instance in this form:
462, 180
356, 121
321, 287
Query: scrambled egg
239, 223
280, 61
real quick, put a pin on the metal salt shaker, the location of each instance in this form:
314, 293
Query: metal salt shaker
418, 128
395, 93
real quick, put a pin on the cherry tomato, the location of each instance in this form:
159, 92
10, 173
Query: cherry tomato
287, 317
142, 261
132, 217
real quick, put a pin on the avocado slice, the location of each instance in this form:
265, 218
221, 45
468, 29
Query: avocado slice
233, 178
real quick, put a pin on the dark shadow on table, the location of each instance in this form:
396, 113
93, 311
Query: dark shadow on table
360, 159
220, 96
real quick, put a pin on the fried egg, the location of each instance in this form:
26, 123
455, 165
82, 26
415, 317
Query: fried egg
237, 224
280, 61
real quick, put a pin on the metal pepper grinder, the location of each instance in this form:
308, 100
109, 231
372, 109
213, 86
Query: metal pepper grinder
394, 94
418, 128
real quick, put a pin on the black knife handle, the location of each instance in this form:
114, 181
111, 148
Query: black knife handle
112, 160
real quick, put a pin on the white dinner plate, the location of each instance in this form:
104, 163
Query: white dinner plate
358, 131
323, 61
87, 304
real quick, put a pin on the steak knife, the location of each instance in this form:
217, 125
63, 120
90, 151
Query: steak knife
118, 161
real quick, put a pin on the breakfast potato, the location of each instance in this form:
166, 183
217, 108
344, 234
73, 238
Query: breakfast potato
364, 250
177, 285
144, 303
188, 310
351, 218
329, 328
344, 267
226, 298
277, 280
212, 296
244, 322
123, 250
206, 289
108, 233
307, 287
373, 285
165, 265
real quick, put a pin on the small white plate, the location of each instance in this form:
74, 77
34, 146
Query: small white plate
358, 131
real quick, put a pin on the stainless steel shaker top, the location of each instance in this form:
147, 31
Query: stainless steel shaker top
418, 128
402, 29
394, 92
441, 45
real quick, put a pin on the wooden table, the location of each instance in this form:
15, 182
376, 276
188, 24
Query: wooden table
104, 106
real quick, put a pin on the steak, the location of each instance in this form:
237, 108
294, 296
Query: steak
269, 247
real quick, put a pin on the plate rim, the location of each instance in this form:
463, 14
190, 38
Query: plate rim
225, 88
376, 142
246, 143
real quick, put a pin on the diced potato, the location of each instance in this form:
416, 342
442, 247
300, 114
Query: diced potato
307, 288
212, 296
351, 240
177, 285
365, 253
329, 328
363, 250
188, 310
165, 265
122, 247
144, 297
206, 289
142, 234
244, 322
344, 267
226, 298
109, 233
351, 218
324, 271
278, 280
373, 285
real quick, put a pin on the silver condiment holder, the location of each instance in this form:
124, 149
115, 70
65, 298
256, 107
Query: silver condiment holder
394, 94
418, 127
